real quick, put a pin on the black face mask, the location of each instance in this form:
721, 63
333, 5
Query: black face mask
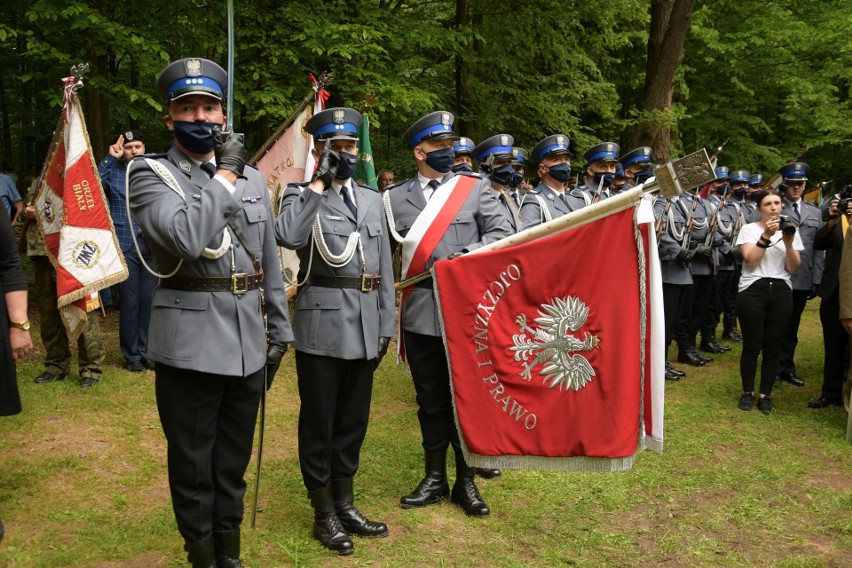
642, 177
462, 167
607, 178
346, 167
741, 192
723, 189
197, 137
441, 160
560, 172
517, 180
503, 175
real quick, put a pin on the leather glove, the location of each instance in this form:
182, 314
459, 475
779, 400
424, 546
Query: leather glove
273, 361
813, 293
683, 254
230, 151
703, 250
327, 168
455, 255
384, 342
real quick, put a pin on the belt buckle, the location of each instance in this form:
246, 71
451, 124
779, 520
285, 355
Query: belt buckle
369, 282
239, 283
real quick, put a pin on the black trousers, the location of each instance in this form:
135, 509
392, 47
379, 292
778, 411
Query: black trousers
673, 305
720, 298
836, 342
692, 315
428, 362
209, 423
728, 292
335, 396
786, 365
764, 309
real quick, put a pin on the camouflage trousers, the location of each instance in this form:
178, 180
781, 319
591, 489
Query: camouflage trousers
90, 348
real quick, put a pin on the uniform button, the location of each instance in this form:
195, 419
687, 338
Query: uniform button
177, 300
237, 245
317, 304
227, 213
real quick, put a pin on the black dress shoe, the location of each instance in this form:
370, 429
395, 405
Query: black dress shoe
690, 358
824, 401
487, 473
710, 347
48, 377
720, 346
466, 495
670, 376
792, 379
700, 356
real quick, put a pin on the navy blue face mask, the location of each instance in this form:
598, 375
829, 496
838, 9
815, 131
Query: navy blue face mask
462, 167
741, 192
517, 179
560, 172
197, 137
441, 160
642, 177
503, 175
607, 178
346, 167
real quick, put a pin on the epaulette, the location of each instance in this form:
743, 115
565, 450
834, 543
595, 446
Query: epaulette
535, 190
367, 187
471, 174
298, 184
397, 184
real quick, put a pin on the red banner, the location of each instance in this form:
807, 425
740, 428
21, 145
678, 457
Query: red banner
74, 219
547, 345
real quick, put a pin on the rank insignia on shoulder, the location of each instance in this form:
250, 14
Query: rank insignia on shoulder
251, 199
476, 175
397, 184
185, 166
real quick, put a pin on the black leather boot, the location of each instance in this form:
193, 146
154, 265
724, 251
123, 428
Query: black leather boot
729, 330
350, 517
227, 547
487, 473
686, 354
200, 553
432, 488
327, 527
465, 494
695, 351
710, 344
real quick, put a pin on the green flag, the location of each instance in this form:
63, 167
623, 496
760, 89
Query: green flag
365, 170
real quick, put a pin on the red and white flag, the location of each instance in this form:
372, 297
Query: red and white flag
319, 104
74, 218
555, 348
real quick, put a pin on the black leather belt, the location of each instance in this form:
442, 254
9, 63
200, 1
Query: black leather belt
236, 284
364, 283
428, 283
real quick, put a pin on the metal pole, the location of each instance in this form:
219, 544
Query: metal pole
260, 445
229, 105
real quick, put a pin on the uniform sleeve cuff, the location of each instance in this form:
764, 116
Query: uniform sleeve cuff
228, 185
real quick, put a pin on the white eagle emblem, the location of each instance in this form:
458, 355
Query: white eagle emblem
554, 347
192, 67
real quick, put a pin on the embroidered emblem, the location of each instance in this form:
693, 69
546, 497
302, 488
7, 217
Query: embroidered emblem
86, 254
128, 136
192, 67
552, 346
338, 116
185, 166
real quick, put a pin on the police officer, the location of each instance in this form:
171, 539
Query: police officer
620, 183
601, 160
478, 221
755, 184
637, 164
494, 156
207, 218
343, 321
463, 161
736, 209
549, 199
519, 186
134, 297
808, 218
724, 261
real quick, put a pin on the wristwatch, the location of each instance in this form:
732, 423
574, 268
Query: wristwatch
25, 325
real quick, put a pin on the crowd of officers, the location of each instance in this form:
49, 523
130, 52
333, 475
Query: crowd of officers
220, 324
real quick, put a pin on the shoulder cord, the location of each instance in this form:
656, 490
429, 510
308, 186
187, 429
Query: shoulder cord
391, 221
546, 217
678, 235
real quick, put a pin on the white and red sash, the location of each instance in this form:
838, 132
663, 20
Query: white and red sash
428, 230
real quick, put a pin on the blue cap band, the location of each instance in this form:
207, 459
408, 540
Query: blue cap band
494, 150
599, 155
463, 148
196, 84
551, 148
342, 128
415, 140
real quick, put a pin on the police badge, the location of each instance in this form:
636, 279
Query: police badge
192, 67
504, 140
445, 119
560, 140
338, 116
128, 136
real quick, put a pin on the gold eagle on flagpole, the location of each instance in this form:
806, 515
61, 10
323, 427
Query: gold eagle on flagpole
553, 346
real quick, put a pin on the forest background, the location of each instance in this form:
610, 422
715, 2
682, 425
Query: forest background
772, 77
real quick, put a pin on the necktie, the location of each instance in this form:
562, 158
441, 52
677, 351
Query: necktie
516, 199
796, 208
344, 193
433, 185
209, 169
564, 199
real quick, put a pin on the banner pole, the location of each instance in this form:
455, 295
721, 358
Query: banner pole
229, 106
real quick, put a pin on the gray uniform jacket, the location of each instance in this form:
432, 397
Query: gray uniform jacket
701, 215
212, 332
345, 323
531, 214
480, 221
584, 195
726, 215
809, 221
510, 210
673, 271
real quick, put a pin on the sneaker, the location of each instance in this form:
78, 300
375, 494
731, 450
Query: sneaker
746, 401
764, 404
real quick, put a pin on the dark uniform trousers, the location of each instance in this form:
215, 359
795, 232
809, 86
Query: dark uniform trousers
428, 362
134, 301
674, 302
209, 424
695, 306
836, 342
786, 365
335, 409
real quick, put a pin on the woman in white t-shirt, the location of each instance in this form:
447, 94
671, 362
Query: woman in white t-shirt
765, 297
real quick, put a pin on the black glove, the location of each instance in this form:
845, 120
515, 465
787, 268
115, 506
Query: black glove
230, 151
683, 254
384, 342
813, 293
455, 255
273, 361
703, 250
327, 168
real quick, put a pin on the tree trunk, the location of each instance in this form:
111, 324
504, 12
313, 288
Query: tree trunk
670, 22
462, 72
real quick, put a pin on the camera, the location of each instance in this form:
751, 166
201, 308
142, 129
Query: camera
845, 199
786, 225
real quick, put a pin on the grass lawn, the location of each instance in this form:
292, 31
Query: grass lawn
83, 482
